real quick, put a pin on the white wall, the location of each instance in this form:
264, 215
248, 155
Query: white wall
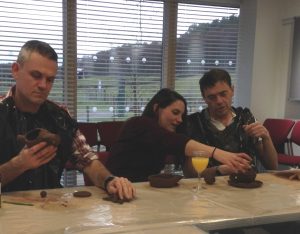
292, 9
271, 60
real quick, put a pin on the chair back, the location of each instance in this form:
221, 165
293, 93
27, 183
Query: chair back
279, 130
295, 135
89, 130
109, 132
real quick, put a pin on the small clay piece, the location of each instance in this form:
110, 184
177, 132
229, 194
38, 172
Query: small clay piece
82, 194
38, 135
209, 175
114, 198
43, 194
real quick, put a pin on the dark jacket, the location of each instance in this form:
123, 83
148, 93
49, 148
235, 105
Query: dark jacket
51, 117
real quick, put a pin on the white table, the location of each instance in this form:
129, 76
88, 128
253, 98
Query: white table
172, 210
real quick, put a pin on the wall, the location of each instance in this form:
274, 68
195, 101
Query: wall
292, 109
271, 60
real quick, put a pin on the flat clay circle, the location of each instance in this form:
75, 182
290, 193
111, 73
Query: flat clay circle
82, 194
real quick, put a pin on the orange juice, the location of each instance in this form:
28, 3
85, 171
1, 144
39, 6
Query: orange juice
199, 163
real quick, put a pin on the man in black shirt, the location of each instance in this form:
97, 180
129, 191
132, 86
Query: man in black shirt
226, 127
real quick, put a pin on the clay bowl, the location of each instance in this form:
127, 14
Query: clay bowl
38, 135
164, 180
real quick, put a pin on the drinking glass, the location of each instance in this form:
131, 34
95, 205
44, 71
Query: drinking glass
199, 162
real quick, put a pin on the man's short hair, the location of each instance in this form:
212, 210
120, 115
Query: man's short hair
210, 78
37, 46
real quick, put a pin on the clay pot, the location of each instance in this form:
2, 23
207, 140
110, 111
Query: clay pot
247, 177
38, 135
164, 180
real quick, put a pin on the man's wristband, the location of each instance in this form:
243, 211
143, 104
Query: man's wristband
106, 181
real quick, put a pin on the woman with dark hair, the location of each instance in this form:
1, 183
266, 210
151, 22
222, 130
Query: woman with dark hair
145, 140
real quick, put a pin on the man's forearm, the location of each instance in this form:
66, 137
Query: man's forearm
97, 172
11, 170
269, 154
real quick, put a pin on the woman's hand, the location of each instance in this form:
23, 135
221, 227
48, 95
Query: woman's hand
122, 187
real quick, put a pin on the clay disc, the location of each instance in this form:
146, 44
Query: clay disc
82, 194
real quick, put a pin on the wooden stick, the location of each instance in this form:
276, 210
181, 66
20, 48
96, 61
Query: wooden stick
18, 203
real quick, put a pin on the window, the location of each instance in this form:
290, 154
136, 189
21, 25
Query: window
115, 55
119, 54
207, 37
19, 22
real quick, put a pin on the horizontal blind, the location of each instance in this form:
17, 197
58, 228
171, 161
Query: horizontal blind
207, 37
119, 57
21, 21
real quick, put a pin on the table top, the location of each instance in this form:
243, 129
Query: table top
177, 209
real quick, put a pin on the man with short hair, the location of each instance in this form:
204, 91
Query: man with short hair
25, 108
226, 127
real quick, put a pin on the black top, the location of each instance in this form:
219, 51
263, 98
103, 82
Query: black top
142, 147
233, 138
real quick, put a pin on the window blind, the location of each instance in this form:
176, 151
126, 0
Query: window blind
22, 21
119, 57
207, 37
116, 47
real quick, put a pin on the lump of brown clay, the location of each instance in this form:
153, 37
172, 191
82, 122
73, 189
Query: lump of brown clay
38, 135
209, 175
82, 194
43, 194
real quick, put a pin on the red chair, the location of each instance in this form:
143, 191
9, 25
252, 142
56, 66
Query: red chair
292, 160
279, 130
89, 130
295, 136
108, 132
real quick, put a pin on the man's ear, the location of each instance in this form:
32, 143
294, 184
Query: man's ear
155, 107
15, 67
232, 88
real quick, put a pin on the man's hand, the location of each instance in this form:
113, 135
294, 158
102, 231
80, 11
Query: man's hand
35, 156
256, 130
122, 187
235, 161
225, 170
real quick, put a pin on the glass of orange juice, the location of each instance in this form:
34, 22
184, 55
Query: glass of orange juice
199, 162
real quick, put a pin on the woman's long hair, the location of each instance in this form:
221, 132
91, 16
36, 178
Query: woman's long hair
163, 98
